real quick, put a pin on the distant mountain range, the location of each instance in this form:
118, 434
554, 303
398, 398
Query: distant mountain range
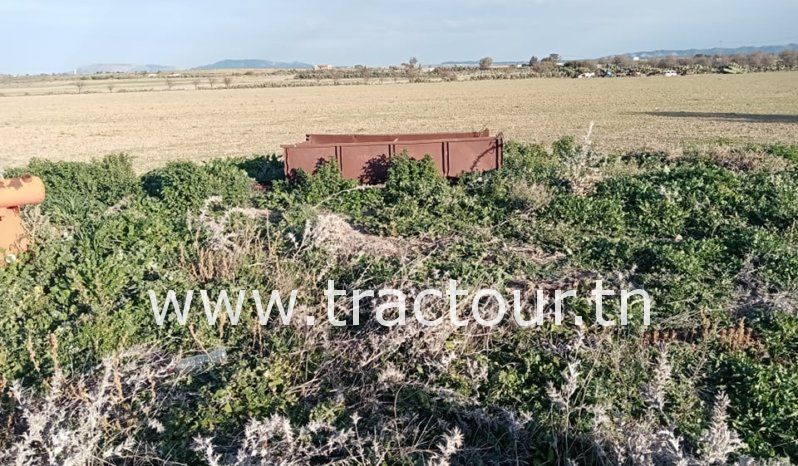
223, 64
713, 51
252, 63
121, 68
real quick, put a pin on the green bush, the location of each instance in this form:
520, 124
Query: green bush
76, 189
566, 148
414, 197
184, 186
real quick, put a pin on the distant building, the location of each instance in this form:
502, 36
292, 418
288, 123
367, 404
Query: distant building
322, 67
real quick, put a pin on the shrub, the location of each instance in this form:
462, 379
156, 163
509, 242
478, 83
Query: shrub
414, 197
264, 169
414, 181
566, 148
77, 189
183, 186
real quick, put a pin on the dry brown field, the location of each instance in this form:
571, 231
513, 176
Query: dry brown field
157, 125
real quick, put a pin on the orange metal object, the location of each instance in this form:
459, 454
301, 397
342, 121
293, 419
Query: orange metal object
364, 157
16, 192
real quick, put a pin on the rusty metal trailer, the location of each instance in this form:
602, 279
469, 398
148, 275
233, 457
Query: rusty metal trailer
365, 157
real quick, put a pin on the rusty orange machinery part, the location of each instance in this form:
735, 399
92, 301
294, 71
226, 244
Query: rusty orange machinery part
365, 157
14, 193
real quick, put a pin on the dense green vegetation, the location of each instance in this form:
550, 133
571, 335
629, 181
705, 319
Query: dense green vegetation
711, 235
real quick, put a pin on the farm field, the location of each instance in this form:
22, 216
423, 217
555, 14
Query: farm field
186, 124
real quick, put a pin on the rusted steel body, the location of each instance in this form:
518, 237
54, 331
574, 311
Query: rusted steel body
16, 192
365, 157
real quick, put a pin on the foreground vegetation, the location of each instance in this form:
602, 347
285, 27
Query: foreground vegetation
711, 235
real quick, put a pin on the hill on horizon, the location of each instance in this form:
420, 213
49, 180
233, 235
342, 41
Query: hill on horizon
748, 49
252, 63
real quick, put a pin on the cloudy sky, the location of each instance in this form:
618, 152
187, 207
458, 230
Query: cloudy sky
59, 35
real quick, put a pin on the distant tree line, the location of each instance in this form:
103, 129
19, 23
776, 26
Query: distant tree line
700, 63
554, 66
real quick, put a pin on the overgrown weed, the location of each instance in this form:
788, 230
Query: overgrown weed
711, 236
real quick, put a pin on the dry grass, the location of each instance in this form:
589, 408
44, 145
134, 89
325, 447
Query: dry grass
186, 124
333, 233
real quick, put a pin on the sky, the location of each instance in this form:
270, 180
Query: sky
43, 36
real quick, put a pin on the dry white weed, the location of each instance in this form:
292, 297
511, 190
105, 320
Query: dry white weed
334, 234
